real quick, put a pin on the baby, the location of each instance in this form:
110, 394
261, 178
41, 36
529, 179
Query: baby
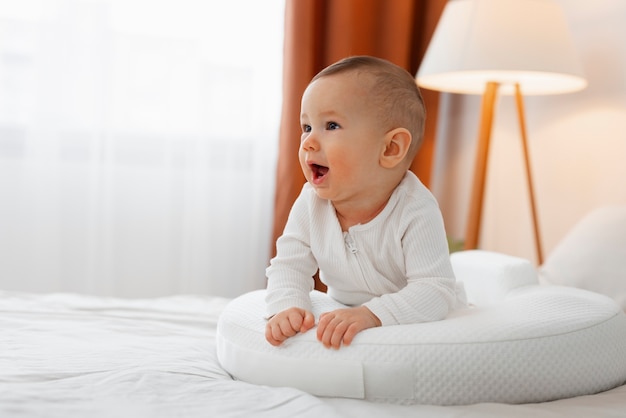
373, 230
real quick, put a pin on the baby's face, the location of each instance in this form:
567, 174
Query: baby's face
341, 138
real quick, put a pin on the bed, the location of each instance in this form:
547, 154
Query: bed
70, 355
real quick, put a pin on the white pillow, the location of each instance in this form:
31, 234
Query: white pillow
592, 255
540, 343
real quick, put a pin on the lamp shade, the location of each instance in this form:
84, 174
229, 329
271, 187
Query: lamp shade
504, 41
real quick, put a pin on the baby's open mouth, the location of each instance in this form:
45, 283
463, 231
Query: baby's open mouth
318, 171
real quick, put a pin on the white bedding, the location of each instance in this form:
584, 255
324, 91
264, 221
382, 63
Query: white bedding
73, 356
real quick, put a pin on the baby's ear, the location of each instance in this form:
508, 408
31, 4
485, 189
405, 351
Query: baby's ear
397, 143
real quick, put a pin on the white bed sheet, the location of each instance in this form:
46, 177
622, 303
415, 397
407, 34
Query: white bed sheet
70, 356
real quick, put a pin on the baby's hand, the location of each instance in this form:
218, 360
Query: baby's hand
342, 325
288, 323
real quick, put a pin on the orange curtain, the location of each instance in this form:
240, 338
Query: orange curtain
320, 32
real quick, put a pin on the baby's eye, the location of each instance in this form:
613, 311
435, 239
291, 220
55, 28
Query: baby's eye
332, 126
306, 128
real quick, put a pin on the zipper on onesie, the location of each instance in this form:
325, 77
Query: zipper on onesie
350, 243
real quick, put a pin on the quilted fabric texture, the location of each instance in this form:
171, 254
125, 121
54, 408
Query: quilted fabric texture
541, 343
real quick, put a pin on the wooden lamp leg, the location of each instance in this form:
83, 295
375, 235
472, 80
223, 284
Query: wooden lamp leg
522, 122
480, 167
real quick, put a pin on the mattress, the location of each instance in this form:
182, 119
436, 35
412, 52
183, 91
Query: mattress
76, 356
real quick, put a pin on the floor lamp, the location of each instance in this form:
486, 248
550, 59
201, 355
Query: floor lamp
493, 47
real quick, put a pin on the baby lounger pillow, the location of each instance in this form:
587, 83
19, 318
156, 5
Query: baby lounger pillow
523, 343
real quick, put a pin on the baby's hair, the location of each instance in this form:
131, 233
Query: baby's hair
395, 91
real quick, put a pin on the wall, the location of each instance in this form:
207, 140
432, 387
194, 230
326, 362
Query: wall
577, 144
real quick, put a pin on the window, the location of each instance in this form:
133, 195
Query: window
138, 144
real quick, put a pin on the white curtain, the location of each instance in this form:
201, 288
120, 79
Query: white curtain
138, 143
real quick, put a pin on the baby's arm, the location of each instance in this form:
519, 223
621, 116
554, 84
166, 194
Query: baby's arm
288, 323
431, 291
341, 325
